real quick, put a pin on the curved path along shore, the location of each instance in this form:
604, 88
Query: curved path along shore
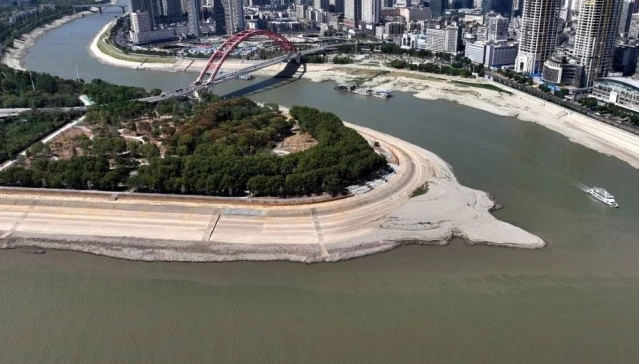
173, 230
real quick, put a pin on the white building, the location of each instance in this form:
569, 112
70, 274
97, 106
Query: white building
371, 11
152, 36
538, 35
443, 39
476, 18
475, 51
414, 41
415, 14
352, 13
141, 22
492, 54
595, 38
620, 91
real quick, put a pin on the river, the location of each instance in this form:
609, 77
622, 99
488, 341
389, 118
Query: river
575, 301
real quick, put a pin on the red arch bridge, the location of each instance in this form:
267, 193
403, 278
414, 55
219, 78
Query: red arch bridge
224, 51
210, 75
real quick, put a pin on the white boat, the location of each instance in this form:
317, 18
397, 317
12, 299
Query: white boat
604, 196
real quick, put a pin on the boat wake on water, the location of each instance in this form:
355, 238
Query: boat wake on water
582, 186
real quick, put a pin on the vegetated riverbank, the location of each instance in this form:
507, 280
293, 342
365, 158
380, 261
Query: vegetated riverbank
578, 128
373, 222
13, 57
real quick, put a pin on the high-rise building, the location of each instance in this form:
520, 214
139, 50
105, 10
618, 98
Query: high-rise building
517, 7
171, 8
321, 4
565, 12
633, 31
141, 22
437, 7
496, 27
352, 12
625, 17
595, 38
625, 59
228, 16
575, 5
504, 7
337, 6
371, 11
538, 34
194, 14
144, 5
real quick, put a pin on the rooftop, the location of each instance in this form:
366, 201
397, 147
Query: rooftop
624, 80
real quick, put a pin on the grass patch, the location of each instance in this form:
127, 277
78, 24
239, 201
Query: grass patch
419, 190
417, 76
359, 71
481, 85
108, 49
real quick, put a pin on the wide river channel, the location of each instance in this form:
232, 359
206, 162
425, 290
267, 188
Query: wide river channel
576, 301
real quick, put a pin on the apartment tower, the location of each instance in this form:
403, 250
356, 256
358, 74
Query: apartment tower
538, 34
595, 39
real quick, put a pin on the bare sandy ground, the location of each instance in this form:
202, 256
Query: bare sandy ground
218, 231
578, 128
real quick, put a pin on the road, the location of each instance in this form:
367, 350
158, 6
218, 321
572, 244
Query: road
5, 113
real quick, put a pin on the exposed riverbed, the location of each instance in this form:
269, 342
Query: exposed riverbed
574, 301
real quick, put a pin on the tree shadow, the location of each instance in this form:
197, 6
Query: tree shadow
291, 73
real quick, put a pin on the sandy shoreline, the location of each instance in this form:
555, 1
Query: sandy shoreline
14, 57
576, 127
330, 231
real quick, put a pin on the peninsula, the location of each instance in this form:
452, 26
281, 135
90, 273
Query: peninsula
417, 201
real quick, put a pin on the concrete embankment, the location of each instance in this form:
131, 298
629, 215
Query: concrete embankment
214, 230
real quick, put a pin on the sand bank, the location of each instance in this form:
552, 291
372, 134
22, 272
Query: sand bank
220, 231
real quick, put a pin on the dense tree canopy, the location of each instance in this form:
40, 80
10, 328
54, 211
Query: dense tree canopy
223, 149
19, 132
23, 89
